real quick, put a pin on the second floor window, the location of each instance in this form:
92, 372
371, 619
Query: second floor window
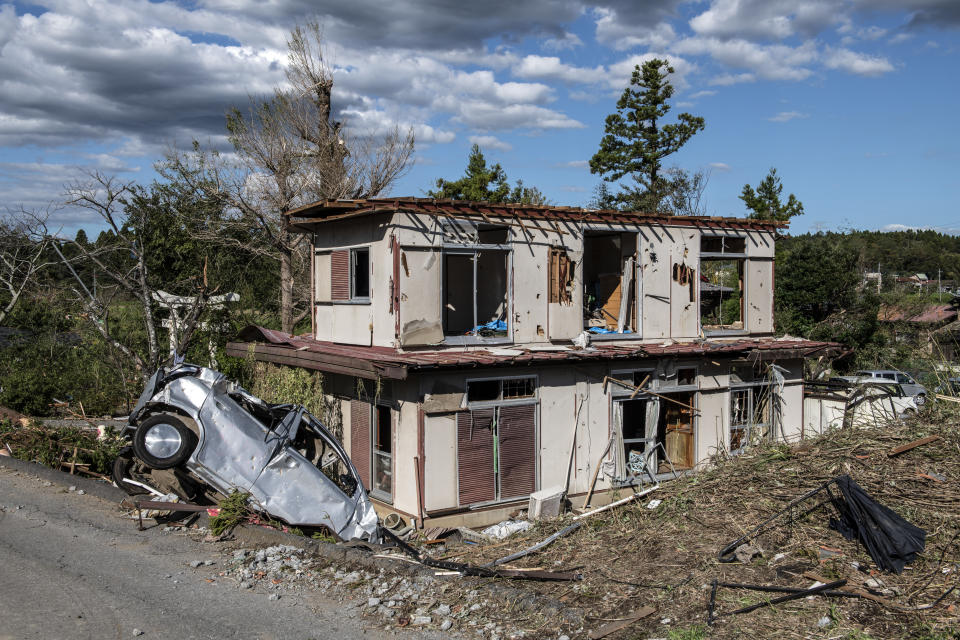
350, 274
359, 273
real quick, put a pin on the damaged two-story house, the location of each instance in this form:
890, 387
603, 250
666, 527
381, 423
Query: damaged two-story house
452, 336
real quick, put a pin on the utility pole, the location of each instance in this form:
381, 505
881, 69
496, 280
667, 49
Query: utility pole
879, 278
939, 289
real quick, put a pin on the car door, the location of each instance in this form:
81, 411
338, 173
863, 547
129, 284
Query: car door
234, 447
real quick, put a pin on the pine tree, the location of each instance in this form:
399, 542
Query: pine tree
636, 142
765, 204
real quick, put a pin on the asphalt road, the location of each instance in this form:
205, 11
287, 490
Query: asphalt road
71, 566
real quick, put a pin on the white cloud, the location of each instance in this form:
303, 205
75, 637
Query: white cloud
570, 188
771, 62
703, 94
491, 142
622, 35
900, 38
765, 19
719, 166
858, 63
567, 41
786, 116
728, 79
551, 68
573, 164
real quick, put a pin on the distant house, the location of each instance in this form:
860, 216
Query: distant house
453, 336
932, 328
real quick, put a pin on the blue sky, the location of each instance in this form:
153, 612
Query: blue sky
853, 101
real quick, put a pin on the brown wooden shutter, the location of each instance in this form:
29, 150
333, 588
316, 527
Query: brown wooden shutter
477, 482
340, 275
360, 439
518, 450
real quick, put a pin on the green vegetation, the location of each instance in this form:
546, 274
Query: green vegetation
234, 511
636, 141
765, 204
483, 183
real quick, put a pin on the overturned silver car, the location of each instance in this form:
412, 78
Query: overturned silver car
194, 430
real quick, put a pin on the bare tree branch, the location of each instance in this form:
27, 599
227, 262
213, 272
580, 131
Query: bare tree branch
291, 152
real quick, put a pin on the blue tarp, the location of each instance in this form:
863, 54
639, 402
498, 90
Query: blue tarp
602, 330
493, 325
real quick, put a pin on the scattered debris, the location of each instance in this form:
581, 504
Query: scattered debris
911, 445
890, 540
506, 528
617, 625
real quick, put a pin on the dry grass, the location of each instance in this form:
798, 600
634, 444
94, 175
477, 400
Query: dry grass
667, 557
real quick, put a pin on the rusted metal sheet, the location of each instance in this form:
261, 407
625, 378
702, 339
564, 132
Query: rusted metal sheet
329, 210
388, 363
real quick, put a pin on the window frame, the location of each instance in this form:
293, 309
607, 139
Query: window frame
500, 401
353, 269
474, 250
741, 259
376, 491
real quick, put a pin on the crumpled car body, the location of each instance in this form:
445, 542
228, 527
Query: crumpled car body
293, 467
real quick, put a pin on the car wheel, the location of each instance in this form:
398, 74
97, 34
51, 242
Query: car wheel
920, 399
125, 467
163, 441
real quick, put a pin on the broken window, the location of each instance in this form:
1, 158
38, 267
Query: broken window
609, 270
657, 432
722, 260
383, 452
475, 293
750, 399
561, 277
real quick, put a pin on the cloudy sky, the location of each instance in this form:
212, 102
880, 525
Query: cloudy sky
854, 101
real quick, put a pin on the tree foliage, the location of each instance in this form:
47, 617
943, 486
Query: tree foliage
765, 202
481, 183
636, 141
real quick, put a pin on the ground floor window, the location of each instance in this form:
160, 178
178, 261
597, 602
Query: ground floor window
371, 446
496, 453
749, 415
657, 432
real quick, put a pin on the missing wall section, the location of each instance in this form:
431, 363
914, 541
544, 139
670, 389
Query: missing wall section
609, 277
475, 293
722, 261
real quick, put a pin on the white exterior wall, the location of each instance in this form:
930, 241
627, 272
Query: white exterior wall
563, 393
365, 323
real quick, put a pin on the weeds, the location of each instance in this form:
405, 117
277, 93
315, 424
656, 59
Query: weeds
234, 511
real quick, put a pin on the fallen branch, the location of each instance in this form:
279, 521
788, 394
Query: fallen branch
911, 445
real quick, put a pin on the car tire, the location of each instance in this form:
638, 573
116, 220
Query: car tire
920, 399
122, 466
163, 441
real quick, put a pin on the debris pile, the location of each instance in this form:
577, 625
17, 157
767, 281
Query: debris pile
71, 449
632, 557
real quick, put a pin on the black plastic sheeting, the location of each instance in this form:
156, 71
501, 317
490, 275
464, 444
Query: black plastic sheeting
890, 540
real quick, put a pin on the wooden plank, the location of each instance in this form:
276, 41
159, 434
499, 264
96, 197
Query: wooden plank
911, 445
617, 625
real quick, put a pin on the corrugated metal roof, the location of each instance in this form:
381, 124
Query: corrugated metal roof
329, 210
928, 315
393, 363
